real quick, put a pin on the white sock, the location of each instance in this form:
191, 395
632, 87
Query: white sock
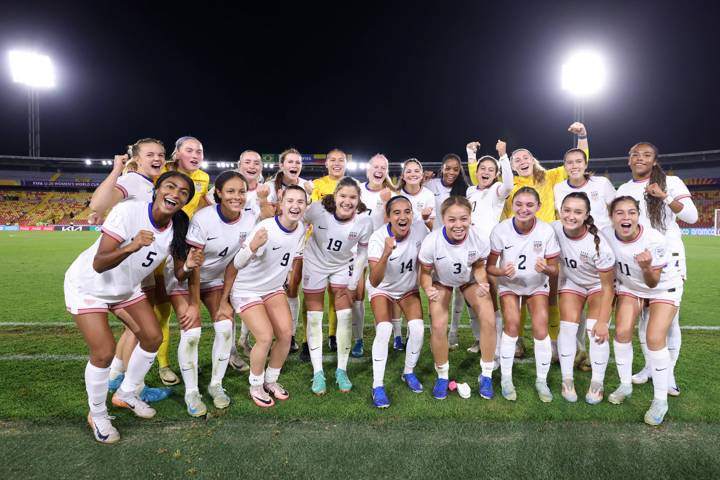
188, 358
256, 380
233, 349
507, 354
443, 370
344, 337
474, 324
486, 368
294, 306
599, 354
221, 350
660, 366
358, 319
315, 339
674, 342
580, 336
543, 356
567, 346
383, 330
623, 360
458, 307
642, 336
96, 386
397, 327
272, 374
244, 332
416, 331
138, 366
117, 367
498, 331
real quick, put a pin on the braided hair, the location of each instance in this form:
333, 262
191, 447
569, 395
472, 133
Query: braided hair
589, 221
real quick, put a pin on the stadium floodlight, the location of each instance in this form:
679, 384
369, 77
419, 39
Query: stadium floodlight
584, 73
31, 69
88, 162
204, 165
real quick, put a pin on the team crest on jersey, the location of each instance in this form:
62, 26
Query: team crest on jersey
352, 235
585, 257
538, 245
660, 251
472, 254
594, 195
198, 186
243, 236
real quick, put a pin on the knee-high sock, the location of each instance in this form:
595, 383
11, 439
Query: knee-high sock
642, 335
332, 315
188, 358
660, 367
507, 354
294, 305
674, 342
344, 337
221, 350
543, 356
553, 321
580, 335
397, 327
498, 331
358, 319
623, 360
416, 331
443, 370
458, 307
474, 324
162, 313
567, 346
380, 352
304, 317
138, 366
117, 367
96, 386
599, 354
315, 339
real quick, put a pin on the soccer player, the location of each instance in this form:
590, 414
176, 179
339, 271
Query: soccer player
454, 256
663, 199
411, 185
643, 276
587, 276
528, 252
219, 232
106, 276
487, 199
254, 283
329, 262
392, 256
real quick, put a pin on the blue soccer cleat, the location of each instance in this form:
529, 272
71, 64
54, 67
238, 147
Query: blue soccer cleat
379, 397
398, 344
113, 385
440, 390
155, 394
486, 388
358, 349
412, 382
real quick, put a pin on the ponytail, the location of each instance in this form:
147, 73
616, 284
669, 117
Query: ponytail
592, 228
655, 206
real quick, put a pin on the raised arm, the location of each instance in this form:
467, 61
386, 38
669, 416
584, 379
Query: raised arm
106, 195
378, 267
471, 150
109, 253
505, 170
579, 129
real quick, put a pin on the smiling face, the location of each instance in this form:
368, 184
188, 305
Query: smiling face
456, 220
573, 214
250, 165
293, 204
232, 195
625, 217
524, 206
171, 195
189, 155
292, 166
150, 159
346, 202
335, 163
412, 173
450, 171
377, 170
575, 165
522, 162
642, 159
401, 217
486, 173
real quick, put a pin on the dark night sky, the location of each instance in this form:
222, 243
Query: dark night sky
406, 80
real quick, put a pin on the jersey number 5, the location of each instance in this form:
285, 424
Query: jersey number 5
149, 259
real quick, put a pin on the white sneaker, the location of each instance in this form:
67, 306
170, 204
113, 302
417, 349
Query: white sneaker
656, 414
132, 401
475, 347
674, 391
453, 342
237, 363
543, 391
623, 392
508, 389
103, 429
642, 377
219, 396
594, 394
568, 390
195, 405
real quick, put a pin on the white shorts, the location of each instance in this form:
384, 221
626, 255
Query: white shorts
394, 296
543, 289
244, 300
565, 285
672, 296
78, 302
316, 280
148, 283
172, 285
677, 261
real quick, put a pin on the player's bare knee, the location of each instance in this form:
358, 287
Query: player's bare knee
102, 358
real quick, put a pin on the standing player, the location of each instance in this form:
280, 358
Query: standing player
257, 293
643, 275
487, 199
454, 256
106, 276
663, 199
528, 252
392, 256
329, 262
587, 276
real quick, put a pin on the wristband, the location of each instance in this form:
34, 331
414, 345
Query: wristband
582, 137
185, 269
668, 200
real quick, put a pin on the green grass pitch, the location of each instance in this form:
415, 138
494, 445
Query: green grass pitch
43, 405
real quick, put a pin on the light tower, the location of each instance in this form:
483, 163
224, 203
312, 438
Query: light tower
583, 75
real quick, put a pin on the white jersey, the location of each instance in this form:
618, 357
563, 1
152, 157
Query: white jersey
273, 195
136, 186
600, 192
401, 270
441, 193
421, 200
487, 206
523, 250
219, 238
125, 220
452, 262
628, 273
331, 245
268, 269
374, 204
252, 204
581, 263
